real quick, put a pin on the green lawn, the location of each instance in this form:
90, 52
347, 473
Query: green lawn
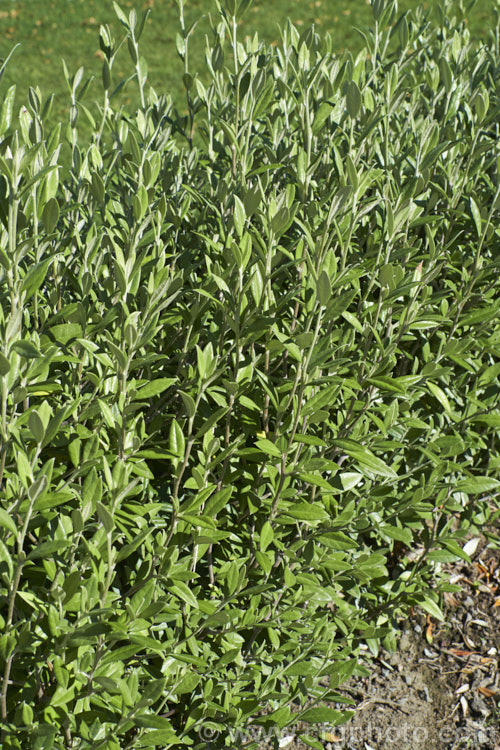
50, 30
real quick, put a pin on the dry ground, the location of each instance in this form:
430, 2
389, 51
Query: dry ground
441, 689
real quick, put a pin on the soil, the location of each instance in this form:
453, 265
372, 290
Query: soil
441, 689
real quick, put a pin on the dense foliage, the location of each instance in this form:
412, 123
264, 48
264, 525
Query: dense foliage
249, 377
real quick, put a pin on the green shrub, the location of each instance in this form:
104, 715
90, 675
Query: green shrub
249, 378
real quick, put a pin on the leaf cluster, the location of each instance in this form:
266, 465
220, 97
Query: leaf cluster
249, 377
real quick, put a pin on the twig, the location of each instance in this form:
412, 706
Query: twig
370, 700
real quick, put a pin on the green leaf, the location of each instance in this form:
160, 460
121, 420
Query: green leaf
394, 385
257, 284
188, 683
477, 485
183, 592
339, 304
180, 44
431, 607
311, 742
37, 178
159, 737
252, 199
301, 668
140, 28
107, 683
452, 546
400, 534
308, 439
307, 512
440, 395
50, 215
203, 521
106, 413
189, 403
490, 374
26, 349
353, 99
24, 470
154, 388
322, 113
129, 548
53, 499
151, 721
4, 365
65, 332
441, 556
36, 488
378, 7
366, 460
280, 221
152, 692
265, 560
132, 48
259, 316
386, 275
62, 696
325, 715
317, 481
320, 399
7, 522
289, 577
239, 216
165, 455
36, 426
353, 321
121, 15
267, 447
338, 540
205, 360
105, 517
324, 288
177, 443
218, 501
55, 423
7, 109
47, 549
476, 214
212, 421
266, 536
350, 479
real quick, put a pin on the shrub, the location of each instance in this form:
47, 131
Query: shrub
249, 377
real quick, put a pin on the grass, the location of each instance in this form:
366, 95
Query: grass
53, 30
